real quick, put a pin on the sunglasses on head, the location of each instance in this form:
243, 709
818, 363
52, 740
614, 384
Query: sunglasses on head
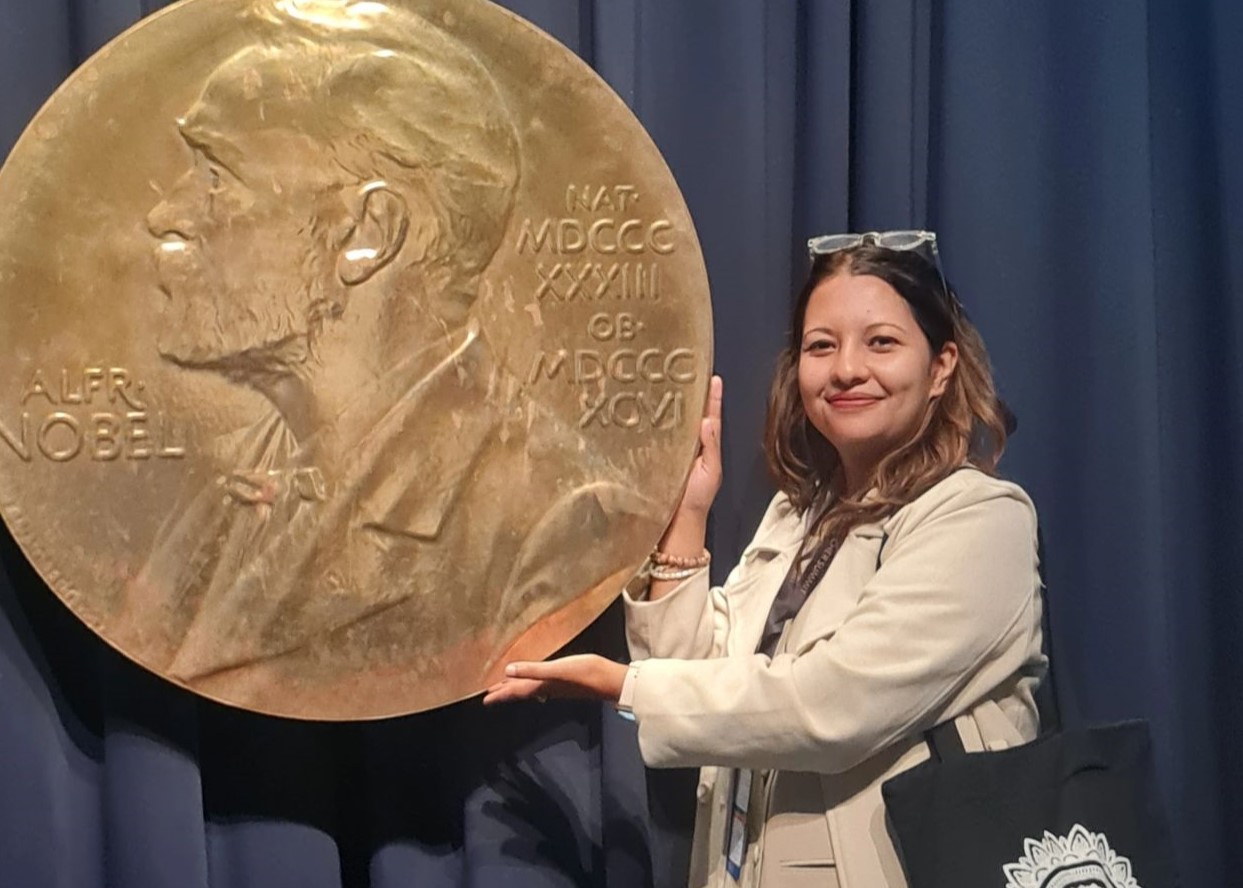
922, 242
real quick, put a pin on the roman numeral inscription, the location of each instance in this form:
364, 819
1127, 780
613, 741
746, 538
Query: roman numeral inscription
621, 383
604, 249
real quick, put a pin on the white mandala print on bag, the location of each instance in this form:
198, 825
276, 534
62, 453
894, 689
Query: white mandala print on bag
1081, 859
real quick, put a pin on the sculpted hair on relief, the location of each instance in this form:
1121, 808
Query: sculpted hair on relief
966, 424
396, 98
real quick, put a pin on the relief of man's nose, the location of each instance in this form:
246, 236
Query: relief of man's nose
175, 214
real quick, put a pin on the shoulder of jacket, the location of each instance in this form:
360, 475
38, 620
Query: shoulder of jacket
966, 488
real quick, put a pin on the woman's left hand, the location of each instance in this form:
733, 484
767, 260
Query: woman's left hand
580, 677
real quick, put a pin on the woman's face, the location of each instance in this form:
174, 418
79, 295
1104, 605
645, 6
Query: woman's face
866, 372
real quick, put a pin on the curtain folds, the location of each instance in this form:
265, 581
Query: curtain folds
1079, 159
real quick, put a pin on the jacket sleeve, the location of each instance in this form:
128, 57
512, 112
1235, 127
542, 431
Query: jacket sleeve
690, 622
681, 624
953, 612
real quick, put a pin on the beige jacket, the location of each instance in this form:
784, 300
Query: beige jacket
949, 627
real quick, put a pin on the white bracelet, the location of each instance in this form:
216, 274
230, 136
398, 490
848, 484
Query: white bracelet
661, 572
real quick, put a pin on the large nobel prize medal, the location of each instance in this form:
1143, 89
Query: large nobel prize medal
349, 349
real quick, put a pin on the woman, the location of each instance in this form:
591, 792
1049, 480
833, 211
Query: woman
892, 586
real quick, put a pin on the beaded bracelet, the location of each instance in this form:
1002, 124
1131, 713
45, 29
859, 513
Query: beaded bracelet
664, 572
664, 559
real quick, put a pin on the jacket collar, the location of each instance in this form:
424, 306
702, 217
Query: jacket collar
786, 528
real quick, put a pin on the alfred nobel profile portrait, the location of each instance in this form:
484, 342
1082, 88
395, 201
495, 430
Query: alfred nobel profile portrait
403, 505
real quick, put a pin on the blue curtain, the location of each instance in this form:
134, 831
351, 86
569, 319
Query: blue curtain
1078, 157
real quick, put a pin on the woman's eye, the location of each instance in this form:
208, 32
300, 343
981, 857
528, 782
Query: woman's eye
818, 346
882, 342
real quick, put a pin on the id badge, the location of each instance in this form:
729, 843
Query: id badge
736, 825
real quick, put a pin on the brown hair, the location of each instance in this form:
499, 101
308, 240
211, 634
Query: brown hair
965, 424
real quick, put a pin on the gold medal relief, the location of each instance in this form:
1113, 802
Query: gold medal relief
361, 351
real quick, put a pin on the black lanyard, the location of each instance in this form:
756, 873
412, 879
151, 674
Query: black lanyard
795, 589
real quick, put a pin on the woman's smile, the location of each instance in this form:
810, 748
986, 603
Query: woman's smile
851, 402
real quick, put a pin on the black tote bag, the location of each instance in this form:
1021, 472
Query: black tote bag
1073, 809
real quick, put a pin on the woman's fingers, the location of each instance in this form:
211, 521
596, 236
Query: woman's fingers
575, 669
710, 428
710, 434
509, 690
704, 479
580, 676
530, 670
716, 391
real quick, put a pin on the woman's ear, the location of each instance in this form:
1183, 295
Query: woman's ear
943, 366
379, 230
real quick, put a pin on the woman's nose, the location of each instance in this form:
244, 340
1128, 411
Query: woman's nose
849, 367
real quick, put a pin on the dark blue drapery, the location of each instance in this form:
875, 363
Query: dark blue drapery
1080, 160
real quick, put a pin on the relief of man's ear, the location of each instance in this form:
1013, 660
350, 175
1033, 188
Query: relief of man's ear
380, 224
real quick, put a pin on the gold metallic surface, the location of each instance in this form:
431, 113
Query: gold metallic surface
348, 350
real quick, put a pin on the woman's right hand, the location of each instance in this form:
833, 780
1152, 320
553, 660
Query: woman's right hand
684, 537
704, 481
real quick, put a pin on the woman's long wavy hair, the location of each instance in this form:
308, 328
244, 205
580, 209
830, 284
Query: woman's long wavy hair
965, 424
